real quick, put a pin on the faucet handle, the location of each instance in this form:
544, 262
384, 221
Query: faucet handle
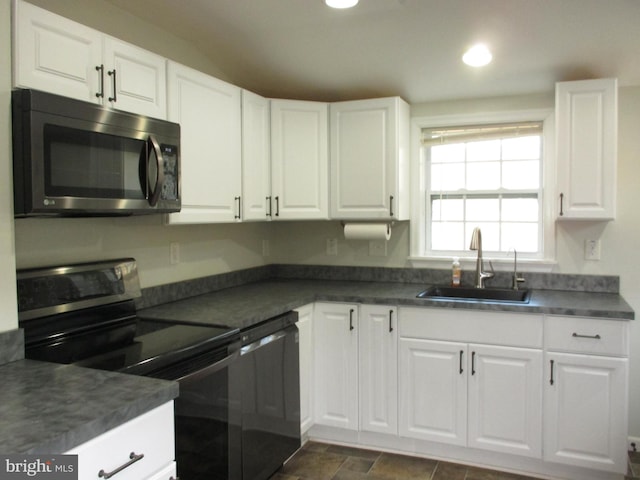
517, 280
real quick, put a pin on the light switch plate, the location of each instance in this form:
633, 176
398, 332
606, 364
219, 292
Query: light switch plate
592, 249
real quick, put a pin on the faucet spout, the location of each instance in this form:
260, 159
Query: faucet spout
476, 244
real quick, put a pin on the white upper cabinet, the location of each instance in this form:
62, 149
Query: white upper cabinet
370, 159
57, 55
137, 79
54, 54
586, 139
299, 160
256, 157
208, 111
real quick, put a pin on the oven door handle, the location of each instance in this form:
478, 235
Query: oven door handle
264, 341
209, 369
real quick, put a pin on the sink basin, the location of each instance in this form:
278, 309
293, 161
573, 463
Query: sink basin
502, 295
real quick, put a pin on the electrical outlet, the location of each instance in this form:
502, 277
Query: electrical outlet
378, 248
592, 249
332, 246
175, 253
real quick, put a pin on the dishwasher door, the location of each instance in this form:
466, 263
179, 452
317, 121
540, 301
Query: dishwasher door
270, 402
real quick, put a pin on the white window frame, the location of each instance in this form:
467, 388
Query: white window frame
419, 200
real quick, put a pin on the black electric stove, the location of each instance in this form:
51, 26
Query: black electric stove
85, 314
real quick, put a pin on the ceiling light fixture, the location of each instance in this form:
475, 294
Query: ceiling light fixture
341, 3
477, 56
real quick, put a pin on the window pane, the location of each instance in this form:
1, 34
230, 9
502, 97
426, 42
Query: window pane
483, 209
483, 176
447, 209
521, 148
521, 236
484, 150
447, 177
521, 175
447, 236
448, 153
520, 209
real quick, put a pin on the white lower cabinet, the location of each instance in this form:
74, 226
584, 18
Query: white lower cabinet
378, 368
336, 365
433, 390
305, 337
142, 448
526, 392
585, 393
481, 396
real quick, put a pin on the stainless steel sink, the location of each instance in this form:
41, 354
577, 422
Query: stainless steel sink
501, 295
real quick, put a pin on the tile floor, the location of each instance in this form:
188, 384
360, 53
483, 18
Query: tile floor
320, 461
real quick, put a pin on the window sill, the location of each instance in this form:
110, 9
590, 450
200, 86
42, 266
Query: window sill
499, 263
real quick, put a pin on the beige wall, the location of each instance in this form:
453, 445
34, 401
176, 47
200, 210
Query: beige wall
211, 249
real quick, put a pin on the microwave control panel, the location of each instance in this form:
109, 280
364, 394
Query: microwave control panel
171, 174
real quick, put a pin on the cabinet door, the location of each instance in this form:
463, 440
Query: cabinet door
208, 111
585, 411
299, 160
256, 157
586, 139
135, 79
305, 335
336, 365
505, 399
433, 390
54, 54
369, 159
378, 368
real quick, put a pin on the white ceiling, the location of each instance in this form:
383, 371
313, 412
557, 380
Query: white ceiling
412, 48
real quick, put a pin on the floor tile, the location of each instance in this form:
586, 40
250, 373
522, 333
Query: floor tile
313, 465
393, 466
449, 471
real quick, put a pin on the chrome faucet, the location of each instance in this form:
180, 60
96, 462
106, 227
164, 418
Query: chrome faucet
476, 244
516, 279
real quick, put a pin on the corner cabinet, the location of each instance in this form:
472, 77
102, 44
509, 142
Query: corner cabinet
256, 157
370, 159
586, 149
299, 160
57, 55
208, 111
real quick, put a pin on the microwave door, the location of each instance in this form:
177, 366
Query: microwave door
152, 170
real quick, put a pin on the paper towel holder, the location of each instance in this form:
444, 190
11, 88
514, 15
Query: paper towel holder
389, 224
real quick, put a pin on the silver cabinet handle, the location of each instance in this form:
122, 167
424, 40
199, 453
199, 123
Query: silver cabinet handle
473, 363
277, 206
561, 204
351, 319
461, 369
390, 321
391, 205
269, 213
594, 337
551, 379
134, 458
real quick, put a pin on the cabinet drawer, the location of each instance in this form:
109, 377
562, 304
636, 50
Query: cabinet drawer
472, 326
586, 335
150, 434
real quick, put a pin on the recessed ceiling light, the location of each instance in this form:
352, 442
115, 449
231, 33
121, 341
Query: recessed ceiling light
341, 3
477, 56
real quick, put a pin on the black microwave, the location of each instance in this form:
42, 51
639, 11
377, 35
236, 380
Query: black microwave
76, 158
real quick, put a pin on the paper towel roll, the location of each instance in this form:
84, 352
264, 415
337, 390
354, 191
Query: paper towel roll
367, 231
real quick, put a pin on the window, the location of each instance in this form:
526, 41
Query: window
487, 177
488, 171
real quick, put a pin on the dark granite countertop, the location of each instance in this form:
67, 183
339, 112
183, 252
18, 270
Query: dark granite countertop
249, 304
51, 408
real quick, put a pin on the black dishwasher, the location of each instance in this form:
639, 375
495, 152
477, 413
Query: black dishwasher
269, 366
